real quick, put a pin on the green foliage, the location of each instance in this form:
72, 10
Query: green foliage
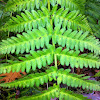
53, 92
27, 21
97, 74
43, 36
93, 15
32, 19
62, 75
16, 5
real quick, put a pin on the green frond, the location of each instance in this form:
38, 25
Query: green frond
33, 79
35, 38
60, 75
51, 33
55, 92
75, 80
33, 19
97, 74
27, 21
73, 19
34, 59
52, 92
74, 39
93, 13
40, 58
96, 28
69, 95
40, 37
92, 9
76, 60
16, 5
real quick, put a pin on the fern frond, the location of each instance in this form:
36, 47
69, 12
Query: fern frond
92, 9
76, 60
93, 14
16, 5
36, 59
97, 74
33, 79
70, 95
40, 37
75, 39
27, 21
72, 19
35, 38
96, 28
52, 92
60, 75
75, 80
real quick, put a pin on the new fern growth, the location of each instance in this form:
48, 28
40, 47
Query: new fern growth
49, 31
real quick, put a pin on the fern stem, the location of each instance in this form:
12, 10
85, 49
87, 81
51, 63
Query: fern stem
47, 86
55, 56
49, 5
8, 34
49, 10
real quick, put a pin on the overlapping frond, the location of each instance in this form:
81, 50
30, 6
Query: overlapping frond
40, 37
16, 5
63, 25
52, 92
60, 75
73, 19
96, 28
65, 57
92, 11
55, 92
27, 21
70, 95
74, 39
77, 60
34, 59
33, 79
26, 42
75, 80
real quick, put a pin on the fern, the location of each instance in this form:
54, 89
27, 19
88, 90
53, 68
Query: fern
92, 12
34, 19
13, 6
41, 37
48, 32
27, 20
63, 76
